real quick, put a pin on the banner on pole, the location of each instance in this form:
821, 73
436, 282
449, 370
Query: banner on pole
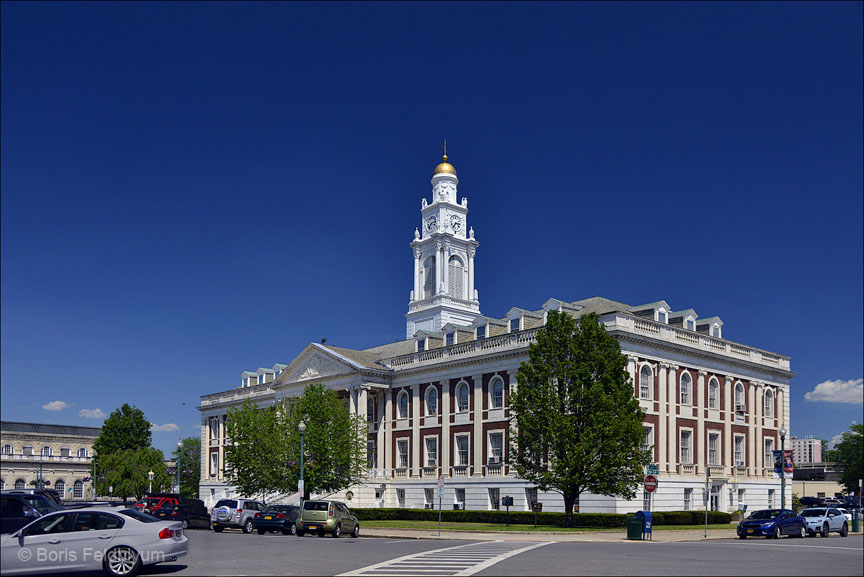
783, 464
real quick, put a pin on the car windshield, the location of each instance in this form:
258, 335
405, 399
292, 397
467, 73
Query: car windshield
230, 503
765, 514
813, 513
316, 506
139, 516
42, 504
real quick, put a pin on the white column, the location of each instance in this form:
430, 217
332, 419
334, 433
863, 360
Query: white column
387, 422
415, 430
445, 426
728, 440
699, 401
418, 287
471, 252
380, 439
446, 265
510, 435
439, 266
477, 424
753, 426
666, 380
662, 433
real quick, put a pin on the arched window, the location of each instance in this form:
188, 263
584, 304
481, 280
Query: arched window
462, 397
19, 484
739, 397
455, 278
769, 403
78, 489
402, 405
429, 277
432, 400
496, 393
713, 394
47, 451
60, 487
82, 452
646, 378
64, 451
8, 450
686, 385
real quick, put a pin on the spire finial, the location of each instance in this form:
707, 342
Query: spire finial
445, 150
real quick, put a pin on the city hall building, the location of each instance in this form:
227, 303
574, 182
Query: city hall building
436, 403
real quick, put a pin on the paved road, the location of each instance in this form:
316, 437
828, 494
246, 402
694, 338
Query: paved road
233, 553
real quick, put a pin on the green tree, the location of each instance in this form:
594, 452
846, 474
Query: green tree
188, 457
576, 425
263, 454
127, 472
125, 428
850, 454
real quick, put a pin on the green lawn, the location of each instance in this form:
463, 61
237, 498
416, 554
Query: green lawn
450, 526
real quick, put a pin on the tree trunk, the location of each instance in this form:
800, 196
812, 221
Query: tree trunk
569, 499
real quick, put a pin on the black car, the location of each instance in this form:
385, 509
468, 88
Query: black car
191, 512
15, 512
50, 494
277, 518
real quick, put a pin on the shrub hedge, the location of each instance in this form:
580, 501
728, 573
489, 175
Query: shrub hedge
527, 517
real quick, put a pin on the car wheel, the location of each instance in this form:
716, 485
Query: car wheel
247, 526
824, 530
300, 533
777, 532
356, 532
218, 529
262, 531
292, 530
122, 561
844, 530
742, 536
802, 532
337, 531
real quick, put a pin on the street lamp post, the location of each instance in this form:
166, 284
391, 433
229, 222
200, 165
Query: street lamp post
150, 478
177, 465
300, 486
783, 467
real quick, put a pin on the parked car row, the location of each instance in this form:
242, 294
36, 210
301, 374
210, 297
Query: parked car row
774, 523
320, 517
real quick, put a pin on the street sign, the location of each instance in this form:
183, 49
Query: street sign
440, 492
440, 481
652, 469
650, 483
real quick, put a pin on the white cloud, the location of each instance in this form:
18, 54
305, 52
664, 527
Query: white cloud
838, 392
55, 406
92, 413
832, 444
165, 427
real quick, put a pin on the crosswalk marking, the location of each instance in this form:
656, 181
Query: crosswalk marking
460, 560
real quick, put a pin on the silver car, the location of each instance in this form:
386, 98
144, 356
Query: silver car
237, 513
117, 540
825, 520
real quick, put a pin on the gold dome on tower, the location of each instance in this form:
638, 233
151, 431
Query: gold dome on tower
445, 167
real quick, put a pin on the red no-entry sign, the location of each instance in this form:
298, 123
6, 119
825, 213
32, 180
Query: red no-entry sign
650, 483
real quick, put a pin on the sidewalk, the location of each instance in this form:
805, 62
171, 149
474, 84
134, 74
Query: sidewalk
612, 536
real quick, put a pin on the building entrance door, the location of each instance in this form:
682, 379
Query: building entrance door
715, 497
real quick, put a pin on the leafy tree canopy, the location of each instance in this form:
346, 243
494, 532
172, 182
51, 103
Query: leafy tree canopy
576, 423
188, 457
127, 472
850, 453
125, 428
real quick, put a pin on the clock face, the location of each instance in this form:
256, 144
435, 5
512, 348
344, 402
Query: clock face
431, 223
456, 223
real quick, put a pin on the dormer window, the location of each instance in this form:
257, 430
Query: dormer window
481, 332
450, 338
421, 345
515, 324
661, 316
690, 324
715, 330
245, 382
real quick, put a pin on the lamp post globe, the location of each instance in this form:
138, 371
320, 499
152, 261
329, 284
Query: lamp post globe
783, 467
150, 479
301, 486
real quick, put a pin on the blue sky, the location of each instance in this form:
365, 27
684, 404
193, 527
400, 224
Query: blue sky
194, 190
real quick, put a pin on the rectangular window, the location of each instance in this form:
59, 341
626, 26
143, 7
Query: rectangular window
421, 345
462, 450
688, 499
713, 442
431, 451
400, 497
739, 451
214, 428
691, 326
495, 499
481, 332
450, 338
771, 498
686, 457
214, 464
371, 454
514, 324
460, 498
402, 450
661, 316
769, 452
429, 497
496, 448
648, 441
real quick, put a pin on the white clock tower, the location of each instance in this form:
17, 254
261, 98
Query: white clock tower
444, 249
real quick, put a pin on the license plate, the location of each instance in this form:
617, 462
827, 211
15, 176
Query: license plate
311, 527
268, 517
749, 530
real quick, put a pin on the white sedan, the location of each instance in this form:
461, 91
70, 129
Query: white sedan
117, 540
825, 520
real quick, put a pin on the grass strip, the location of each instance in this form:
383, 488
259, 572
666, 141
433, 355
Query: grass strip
487, 527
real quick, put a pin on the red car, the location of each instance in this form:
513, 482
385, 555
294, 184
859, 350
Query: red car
153, 501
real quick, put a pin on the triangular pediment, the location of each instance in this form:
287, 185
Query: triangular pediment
317, 362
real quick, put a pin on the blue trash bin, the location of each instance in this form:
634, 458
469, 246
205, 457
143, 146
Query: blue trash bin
647, 523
